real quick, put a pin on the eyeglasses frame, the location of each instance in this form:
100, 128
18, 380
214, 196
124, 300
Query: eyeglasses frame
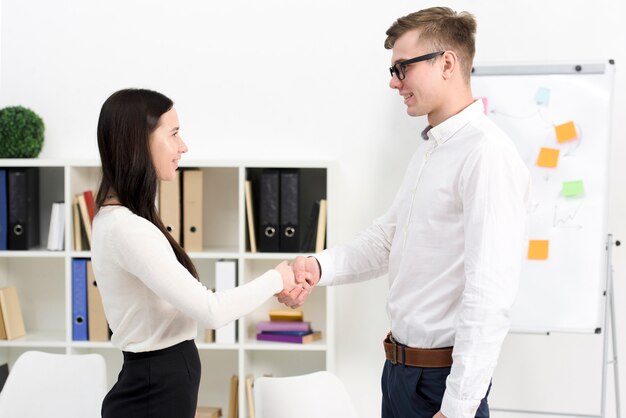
399, 68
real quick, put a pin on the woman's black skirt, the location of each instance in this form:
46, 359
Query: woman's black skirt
154, 384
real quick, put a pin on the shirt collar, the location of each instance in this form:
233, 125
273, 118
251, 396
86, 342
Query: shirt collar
446, 129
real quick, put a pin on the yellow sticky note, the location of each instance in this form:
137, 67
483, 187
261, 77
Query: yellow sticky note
538, 249
548, 157
565, 132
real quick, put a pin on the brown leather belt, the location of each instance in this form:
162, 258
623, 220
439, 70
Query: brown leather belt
417, 357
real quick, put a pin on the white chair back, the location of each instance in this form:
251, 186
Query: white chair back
315, 395
54, 386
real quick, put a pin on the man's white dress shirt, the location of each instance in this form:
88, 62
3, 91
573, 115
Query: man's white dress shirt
452, 245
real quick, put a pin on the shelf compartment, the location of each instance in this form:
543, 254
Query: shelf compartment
51, 189
220, 202
314, 309
312, 186
217, 369
40, 287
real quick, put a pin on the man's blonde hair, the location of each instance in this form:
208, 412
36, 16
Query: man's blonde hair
441, 29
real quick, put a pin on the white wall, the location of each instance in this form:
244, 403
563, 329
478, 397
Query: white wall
308, 79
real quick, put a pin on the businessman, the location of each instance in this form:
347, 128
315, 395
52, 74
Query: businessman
451, 242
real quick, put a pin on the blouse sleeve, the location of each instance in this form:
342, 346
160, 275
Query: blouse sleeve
144, 251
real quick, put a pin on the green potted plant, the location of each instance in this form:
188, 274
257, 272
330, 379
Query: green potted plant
21, 133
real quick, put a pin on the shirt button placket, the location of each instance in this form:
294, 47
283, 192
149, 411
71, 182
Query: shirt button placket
413, 192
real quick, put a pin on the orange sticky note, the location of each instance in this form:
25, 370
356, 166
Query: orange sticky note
538, 249
565, 132
548, 157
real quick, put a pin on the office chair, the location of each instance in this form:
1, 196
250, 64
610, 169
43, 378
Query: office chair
54, 386
319, 394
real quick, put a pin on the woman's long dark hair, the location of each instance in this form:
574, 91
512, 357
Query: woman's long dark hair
127, 119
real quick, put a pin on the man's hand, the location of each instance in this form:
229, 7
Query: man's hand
439, 415
307, 275
306, 269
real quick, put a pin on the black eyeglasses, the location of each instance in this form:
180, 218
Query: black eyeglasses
399, 68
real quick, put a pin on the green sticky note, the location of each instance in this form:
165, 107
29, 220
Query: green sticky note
573, 188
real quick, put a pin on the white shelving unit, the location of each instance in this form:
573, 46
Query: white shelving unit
43, 278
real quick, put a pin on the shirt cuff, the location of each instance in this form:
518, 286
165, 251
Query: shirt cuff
458, 408
326, 261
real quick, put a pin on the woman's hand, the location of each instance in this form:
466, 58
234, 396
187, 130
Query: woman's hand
286, 272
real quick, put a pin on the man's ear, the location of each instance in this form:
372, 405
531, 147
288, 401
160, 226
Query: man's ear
450, 64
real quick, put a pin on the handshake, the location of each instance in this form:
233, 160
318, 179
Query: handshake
299, 278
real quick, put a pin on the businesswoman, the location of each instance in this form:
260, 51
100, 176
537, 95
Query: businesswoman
150, 290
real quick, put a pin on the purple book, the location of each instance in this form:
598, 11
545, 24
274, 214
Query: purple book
283, 326
313, 336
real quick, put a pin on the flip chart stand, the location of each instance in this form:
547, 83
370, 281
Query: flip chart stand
609, 328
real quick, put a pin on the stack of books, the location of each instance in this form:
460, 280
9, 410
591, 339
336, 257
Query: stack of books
287, 326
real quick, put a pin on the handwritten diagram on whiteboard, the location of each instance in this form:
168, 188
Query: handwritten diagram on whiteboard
558, 116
